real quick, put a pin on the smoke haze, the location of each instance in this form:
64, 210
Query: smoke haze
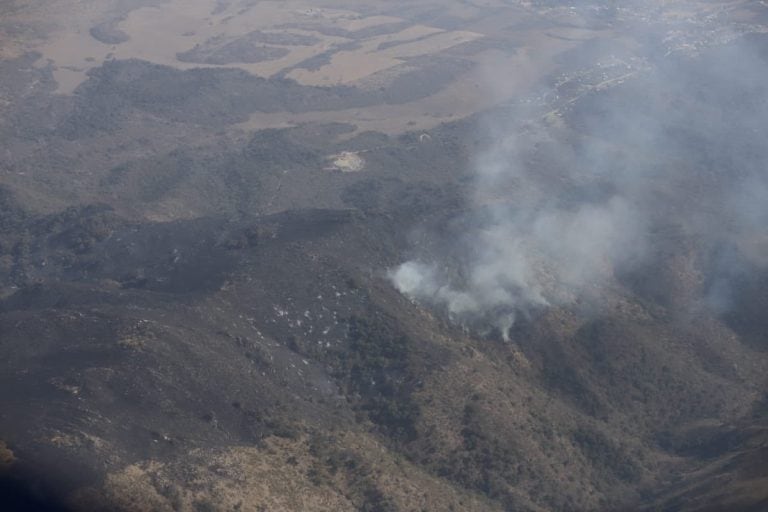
574, 198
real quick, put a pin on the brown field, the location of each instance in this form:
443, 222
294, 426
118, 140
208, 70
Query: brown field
364, 44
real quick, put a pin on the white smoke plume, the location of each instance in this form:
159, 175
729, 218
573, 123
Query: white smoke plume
545, 232
524, 255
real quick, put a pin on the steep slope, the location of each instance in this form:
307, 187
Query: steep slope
197, 313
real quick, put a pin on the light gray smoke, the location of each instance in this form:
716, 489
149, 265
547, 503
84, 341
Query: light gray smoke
528, 253
560, 212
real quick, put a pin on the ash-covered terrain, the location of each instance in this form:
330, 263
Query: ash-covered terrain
383, 256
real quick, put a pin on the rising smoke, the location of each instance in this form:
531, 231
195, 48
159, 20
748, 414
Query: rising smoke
568, 202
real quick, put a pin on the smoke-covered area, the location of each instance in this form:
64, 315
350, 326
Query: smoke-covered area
607, 186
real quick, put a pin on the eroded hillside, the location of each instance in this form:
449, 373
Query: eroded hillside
202, 205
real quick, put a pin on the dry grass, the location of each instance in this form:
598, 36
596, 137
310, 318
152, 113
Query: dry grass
282, 475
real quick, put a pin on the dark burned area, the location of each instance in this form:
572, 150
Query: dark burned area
222, 96
126, 340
